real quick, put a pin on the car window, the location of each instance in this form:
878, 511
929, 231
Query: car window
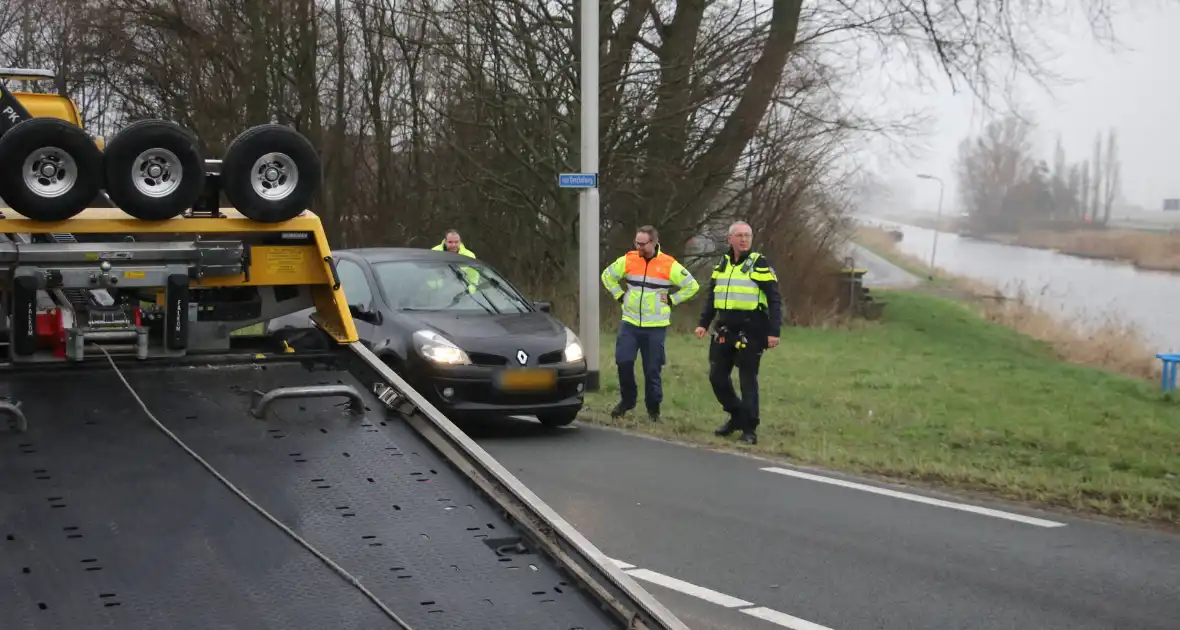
444, 286
355, 284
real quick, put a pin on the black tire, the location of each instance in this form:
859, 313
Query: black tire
554, 419
294, 158
154, 144
49, 143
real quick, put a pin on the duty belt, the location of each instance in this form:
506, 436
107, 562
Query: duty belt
738, 339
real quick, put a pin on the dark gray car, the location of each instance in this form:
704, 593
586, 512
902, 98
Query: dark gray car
460, 333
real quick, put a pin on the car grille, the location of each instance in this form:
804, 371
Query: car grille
485, 358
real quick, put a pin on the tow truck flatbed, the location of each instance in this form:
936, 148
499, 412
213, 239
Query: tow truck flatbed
109, 524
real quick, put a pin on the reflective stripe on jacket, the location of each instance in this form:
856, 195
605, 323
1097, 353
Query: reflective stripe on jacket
735, 287
641, 282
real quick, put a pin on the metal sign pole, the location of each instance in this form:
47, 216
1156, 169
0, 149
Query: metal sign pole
587, 180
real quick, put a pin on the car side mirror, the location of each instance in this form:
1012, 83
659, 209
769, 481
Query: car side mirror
544, 307
365, 315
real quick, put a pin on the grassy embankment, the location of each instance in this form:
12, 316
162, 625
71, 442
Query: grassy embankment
934, 392
1110, 344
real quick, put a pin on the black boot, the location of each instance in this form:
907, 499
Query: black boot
619, 410
653, 413
749, 437
726, 429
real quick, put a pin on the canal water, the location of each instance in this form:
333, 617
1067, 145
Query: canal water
1089, 291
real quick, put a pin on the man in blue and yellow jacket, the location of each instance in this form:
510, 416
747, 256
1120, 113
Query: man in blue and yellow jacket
745, 300
642, 280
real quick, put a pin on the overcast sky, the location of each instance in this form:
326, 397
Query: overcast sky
1135, 89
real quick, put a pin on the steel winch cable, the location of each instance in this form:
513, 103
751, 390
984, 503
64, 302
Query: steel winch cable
258, 508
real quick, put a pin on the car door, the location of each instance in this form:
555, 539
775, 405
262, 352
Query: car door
359, 292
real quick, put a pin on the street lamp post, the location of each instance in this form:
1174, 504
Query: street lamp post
588, 242
937, 221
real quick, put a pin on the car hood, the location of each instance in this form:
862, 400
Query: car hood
517, 339
479, 328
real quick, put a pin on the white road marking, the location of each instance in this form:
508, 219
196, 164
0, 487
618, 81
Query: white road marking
782, 619
719, 599
1020, 518
699, 592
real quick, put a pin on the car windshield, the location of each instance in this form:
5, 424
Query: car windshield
440, 286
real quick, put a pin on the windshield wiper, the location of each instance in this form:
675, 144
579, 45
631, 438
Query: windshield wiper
489, 307
503, 289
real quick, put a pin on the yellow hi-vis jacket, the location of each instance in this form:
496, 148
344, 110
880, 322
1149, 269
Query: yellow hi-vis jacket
462, 249
745, 294
735, 287
472, 275
639, 283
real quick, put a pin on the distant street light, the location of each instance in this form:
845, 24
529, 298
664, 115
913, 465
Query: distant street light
937, 221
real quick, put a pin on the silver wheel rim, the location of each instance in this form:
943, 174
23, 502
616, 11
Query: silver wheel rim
157, 173
50, 172
274, 176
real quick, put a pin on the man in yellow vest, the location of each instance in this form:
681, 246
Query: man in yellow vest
454, 244
745, 300
642, 281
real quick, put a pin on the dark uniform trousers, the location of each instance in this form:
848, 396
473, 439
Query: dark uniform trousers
724, 356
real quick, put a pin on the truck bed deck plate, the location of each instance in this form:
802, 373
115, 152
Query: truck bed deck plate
106, 523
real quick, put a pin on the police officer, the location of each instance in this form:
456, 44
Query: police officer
748, 307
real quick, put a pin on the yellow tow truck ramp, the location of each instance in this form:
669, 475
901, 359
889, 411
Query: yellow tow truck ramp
160, 469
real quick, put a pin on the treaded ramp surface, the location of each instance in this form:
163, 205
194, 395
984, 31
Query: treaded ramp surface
106, 523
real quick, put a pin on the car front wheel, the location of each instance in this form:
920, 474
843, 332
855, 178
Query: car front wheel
558, 418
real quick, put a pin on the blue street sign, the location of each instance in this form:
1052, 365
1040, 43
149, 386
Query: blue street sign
578, 180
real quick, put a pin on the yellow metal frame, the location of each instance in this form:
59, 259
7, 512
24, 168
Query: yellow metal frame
49, 106
270, 265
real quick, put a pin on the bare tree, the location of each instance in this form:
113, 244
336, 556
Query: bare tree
1096, 179
990, 168
1112, 172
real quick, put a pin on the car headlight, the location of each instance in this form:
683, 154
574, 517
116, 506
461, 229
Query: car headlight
573, 348
438, 349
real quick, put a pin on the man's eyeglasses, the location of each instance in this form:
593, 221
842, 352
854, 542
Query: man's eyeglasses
642, 243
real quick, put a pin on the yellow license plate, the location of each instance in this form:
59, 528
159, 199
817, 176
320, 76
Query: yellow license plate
528, 380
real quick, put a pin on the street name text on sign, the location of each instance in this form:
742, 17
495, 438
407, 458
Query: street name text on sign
577, 180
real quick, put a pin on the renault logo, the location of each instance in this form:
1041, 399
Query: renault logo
522, 357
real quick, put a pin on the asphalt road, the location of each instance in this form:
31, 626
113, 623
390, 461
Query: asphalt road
802, 551
881, 273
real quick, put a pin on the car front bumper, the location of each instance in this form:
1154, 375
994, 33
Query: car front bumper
474, 390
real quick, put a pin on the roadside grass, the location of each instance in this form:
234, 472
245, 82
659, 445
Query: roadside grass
1111, 344
935, 393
